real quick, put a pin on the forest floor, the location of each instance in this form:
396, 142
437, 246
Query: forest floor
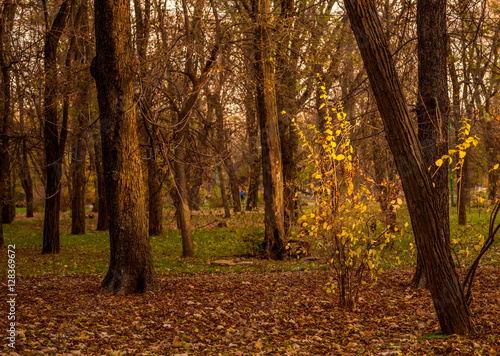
272, 313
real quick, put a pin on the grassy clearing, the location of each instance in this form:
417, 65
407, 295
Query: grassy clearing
242, 238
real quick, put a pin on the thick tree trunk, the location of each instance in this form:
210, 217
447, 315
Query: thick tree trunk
7, 206
103, 215
269, 134
55, 139
433, 104
131, 262
421, 196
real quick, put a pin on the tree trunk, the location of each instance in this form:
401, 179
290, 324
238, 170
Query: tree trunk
233, 184
433, 104
463, 192
287, 108
253, 152
131, 262
155, 197
195, 180
78, 191
81, 107
55, 139
102, 215
269, 134
182, 205
421, 196
9, 196
26, 181
6, 23
492, 146
225, 202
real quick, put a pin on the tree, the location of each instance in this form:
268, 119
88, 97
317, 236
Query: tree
272, 173
433, 105
81, 107
6, 23
422, 197
54, 139
131, 263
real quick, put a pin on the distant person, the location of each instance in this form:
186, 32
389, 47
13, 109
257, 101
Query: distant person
242, 195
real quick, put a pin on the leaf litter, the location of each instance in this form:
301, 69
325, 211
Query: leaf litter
278, 313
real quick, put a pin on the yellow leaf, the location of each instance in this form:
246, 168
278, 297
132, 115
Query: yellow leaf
439, 162
258, 344
340, 157
461, 154
399, 201
496, 166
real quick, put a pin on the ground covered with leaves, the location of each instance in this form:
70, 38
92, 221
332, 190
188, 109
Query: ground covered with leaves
279, 313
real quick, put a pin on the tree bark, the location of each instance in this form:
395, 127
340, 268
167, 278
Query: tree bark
287, 108
102, 210
269, 134
225, 202
433, 104
26, 181
81, 107
492, 144
421, 196
155, 188
9, 195
253, 152
54, 139
131, 262
7, 206
233, 183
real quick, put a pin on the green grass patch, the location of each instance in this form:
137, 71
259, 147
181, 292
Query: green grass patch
243, 238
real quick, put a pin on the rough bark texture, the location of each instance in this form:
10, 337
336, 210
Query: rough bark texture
287, 108
6, 23
272, 173
54, 139
103, 215
433, 104
421, 196
82, 109
131, 262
